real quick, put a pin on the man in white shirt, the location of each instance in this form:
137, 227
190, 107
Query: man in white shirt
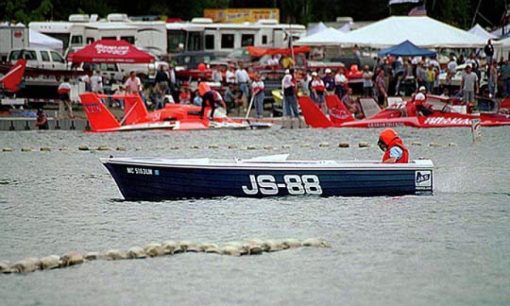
242, 79
340, 81
257, 88
133, 84
96, 82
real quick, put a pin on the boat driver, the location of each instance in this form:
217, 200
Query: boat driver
420, 102
393, 147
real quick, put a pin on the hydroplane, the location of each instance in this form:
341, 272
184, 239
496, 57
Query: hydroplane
136, 116
441, 115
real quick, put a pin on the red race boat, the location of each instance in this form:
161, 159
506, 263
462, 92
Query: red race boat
437, 114
137, 117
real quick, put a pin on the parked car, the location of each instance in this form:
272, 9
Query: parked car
39, 58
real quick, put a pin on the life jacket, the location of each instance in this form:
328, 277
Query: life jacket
397, 142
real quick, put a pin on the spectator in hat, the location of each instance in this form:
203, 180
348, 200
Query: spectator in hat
318, 89
329, 81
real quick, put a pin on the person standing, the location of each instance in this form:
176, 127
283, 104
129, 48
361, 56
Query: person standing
504, 74
242, 79
289, 94
230, 76
493, 79
489, 52
318, 89
469, 85
368, 84
380, 86
96, 82
257, 89
430, 77
64, 92
133, 84
329, 81
340, 82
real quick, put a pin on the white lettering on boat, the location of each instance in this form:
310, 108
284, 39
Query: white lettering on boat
295, 185
447, 121
141, 171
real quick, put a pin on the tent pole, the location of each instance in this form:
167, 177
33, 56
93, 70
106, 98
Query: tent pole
476, 13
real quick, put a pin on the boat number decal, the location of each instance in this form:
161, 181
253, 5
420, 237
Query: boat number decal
423, 179
142, 171
295, 185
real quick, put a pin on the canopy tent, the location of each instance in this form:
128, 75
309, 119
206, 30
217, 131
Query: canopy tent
328, 37
110, 51
406, 48
39, 40
346, 27
316, 29
423, 31
481, 32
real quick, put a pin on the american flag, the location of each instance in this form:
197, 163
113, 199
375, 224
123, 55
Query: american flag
418, 11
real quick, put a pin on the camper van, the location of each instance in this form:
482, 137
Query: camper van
201, 34
82, 29
12, 36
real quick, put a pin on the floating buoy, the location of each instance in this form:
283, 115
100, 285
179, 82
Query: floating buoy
136, 252
174, 148
435, 145
7, 150
251, 148
232, 146
171, 247
27, 265
121, 149
103, 148
324, 144
154, 249
45, 149
83, 148
214, 146
5, 267
292, 243
92, 256
230, 250
115, 255
195, 147
343, 145
317, 243
363, 145
452, 144
416, 143
268, 147
274, 245
26, 149
70, 259
50, 262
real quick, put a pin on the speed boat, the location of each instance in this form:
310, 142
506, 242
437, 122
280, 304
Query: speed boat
400, 114
154, 179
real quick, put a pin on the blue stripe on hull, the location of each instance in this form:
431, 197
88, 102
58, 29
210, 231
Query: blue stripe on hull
174, 183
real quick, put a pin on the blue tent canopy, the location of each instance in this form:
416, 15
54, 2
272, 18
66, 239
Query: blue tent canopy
406, 48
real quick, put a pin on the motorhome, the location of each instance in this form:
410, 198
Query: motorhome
201, 34
82, 29
12, 36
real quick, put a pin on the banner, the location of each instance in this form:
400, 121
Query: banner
241, 15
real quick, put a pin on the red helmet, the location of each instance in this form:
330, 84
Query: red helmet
386, 137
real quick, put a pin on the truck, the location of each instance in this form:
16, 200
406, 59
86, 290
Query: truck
12, 36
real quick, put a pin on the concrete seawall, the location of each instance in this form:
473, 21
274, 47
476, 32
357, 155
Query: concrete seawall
25, 124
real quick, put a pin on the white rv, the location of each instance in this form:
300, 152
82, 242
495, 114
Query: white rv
82, 29
201, 34
12, 36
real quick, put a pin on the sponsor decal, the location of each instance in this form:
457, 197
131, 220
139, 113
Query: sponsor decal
385, 124
92, 107
423, 180
294, 184
114, 50
447, 121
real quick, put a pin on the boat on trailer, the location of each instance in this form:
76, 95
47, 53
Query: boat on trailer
155, 179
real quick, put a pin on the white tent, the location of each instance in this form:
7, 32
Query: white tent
345, 28
316, 29
327, 37
422, 31
39, 40
481, 32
